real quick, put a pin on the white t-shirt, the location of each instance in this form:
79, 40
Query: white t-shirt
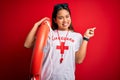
52, 69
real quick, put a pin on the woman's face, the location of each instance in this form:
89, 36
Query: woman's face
63, 19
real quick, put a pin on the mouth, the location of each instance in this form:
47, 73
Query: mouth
65, 24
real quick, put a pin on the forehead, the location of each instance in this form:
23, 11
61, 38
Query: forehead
63, 12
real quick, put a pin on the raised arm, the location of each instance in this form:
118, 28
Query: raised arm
80, 54
29, 42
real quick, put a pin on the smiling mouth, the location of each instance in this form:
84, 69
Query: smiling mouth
65, 24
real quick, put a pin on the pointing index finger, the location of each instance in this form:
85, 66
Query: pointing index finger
93, 28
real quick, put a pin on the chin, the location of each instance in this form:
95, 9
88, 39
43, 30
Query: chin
65, 28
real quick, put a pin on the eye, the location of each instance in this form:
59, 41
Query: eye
60, 17
67, 16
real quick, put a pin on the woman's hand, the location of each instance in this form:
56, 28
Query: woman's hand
89, 33
81, 53
40, 21
29, 42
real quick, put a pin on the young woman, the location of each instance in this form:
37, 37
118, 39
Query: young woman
64, 46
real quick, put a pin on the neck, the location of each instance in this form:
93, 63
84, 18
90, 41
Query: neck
63, 29
66, 29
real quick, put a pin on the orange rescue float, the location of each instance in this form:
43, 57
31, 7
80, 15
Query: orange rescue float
37, 57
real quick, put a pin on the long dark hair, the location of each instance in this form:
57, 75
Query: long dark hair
54, 14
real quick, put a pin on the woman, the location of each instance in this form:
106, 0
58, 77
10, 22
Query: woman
64, 46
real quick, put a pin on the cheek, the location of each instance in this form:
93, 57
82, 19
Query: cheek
69, 19
59, 22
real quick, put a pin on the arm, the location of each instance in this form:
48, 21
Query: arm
80, 54
29, 42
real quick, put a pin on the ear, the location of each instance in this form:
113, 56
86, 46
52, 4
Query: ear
55, 20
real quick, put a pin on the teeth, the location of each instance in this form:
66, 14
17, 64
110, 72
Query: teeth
65, 24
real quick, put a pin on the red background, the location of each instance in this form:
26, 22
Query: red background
102, 60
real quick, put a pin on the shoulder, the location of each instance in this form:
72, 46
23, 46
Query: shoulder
76, 34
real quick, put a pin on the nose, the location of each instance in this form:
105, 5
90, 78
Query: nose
65, 20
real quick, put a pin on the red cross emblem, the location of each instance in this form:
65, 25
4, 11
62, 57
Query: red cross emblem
62, 47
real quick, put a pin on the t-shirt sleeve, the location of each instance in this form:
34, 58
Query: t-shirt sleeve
78, 42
